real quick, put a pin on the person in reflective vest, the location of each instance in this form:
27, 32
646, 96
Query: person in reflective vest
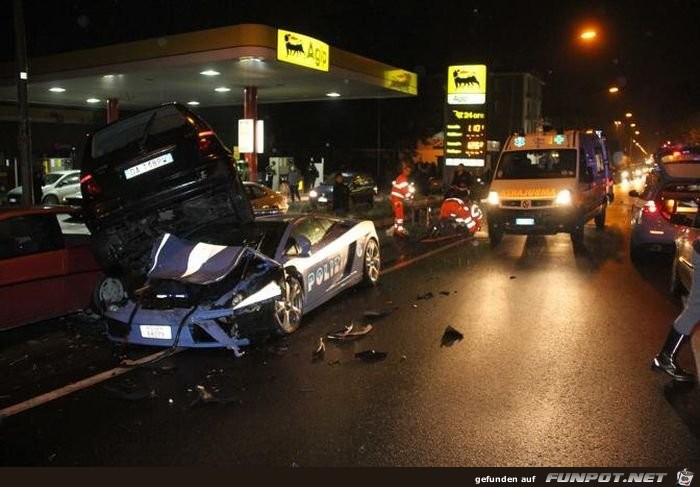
400, 192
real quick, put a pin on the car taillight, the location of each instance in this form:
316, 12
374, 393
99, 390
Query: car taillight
205, 140
90, 185
650, 207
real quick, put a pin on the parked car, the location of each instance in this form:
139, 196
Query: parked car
362, 189
667, 204
682, 267
47, 268
264, 200
227, 283
58, 185
162, 170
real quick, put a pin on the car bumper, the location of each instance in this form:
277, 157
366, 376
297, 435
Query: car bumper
655, 235
534, 222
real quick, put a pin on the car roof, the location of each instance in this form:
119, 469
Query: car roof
64, 171
681, 169
34, 210
292, 217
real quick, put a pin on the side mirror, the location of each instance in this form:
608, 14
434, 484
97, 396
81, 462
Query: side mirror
634, 193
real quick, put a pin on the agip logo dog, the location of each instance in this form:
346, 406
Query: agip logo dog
466, 85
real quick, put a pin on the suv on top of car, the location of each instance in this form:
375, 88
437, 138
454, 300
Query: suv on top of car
362, 189
160, 170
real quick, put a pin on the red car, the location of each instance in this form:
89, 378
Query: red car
47, 269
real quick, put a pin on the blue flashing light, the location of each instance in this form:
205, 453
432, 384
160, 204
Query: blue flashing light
559, 139
519, 142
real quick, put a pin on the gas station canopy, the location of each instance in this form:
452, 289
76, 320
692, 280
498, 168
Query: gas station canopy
208, 68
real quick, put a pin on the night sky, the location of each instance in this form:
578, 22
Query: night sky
648, 48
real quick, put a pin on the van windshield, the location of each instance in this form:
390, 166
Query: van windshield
546, 163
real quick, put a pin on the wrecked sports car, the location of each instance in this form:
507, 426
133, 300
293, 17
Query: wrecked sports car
225, 284
163, 170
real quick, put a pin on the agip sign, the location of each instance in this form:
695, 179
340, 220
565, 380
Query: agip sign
465, 116
302, 50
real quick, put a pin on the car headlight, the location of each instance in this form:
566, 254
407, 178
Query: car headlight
563, 198
313, 194
625, 174
269, 291
493, 198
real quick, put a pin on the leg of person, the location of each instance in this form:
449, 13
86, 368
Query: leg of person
399, 229
680, 331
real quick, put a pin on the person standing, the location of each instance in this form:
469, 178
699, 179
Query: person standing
341, 196
310, 176
293, 179
399, 194
682, 328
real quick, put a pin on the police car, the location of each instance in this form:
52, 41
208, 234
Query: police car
225, 284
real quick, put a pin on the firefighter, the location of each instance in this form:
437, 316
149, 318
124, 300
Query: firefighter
400, 192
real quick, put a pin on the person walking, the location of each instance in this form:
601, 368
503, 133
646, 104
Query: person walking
310, 176
399, 194
293, 179
682, 328
341, 196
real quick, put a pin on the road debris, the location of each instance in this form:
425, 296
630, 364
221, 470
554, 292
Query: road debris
445, 293
371, 355
134, 395
350, 332
320, 350
426, 296
334, 362
450, 336
378, 313
24, 357
513, 277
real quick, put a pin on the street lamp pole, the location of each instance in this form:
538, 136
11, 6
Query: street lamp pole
24, 136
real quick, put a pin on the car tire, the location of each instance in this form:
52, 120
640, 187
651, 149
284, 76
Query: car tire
636, 252
109, 290
371, 264
676, 287
495, 235
50, 200
577, 235
289, 307
600, 217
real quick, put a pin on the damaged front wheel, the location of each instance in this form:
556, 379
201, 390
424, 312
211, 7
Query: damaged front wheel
288, 308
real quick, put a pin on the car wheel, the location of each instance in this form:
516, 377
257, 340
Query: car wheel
676, 288
50, 200
577, 235
636, 252
372, 264
495, 235
288, 308
109, 290
600, 217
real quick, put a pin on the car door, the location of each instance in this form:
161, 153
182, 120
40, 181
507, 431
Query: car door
68, 185
322, 267
32, 252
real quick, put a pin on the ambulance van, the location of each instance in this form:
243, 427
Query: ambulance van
550, 182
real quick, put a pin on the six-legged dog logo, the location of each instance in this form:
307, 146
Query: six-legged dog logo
293, 45
464, 78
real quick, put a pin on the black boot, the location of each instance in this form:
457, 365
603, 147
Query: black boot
665, 361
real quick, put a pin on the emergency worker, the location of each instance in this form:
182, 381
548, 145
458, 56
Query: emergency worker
400, 193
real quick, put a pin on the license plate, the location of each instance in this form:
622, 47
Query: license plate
524, 221
157, 332
12, 200
149, 165
322, 199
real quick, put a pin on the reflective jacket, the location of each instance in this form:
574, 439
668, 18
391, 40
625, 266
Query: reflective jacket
399, 188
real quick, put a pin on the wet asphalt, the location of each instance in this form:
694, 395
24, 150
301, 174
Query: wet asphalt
552, 370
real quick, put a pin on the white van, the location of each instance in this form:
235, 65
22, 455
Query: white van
550, 182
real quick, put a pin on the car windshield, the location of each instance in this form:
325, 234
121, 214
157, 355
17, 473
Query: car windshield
52, 177
135, 129
547, 163
262, 236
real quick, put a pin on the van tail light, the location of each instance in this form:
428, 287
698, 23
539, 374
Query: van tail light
205, 141
650, 207
90, 185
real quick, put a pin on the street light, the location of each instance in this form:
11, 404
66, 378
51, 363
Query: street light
633, 125
587, 35
613, 89
636, 132
628, 115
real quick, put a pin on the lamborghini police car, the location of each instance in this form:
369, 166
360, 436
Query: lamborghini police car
225, 284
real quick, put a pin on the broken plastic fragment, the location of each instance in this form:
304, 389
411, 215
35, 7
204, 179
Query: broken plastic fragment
513, 277
320, 350
371, 355
350, 332
378, 313
445, 293
426, 296
450, 336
